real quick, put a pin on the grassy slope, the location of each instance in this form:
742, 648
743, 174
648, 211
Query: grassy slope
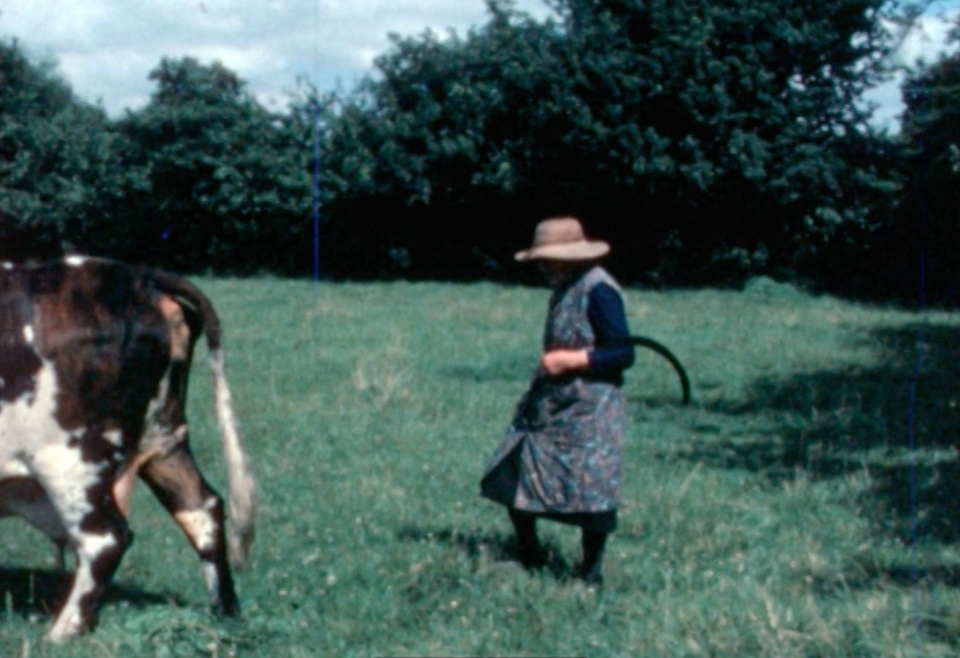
771, 518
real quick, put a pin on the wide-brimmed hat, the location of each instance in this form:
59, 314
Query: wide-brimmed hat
562, 238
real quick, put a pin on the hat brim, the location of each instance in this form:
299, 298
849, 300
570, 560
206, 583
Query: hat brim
570, 251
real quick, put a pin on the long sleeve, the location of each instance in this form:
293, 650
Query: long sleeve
612, 352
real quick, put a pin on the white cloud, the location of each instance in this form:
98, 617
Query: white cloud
927, 40
925, 44
106, 48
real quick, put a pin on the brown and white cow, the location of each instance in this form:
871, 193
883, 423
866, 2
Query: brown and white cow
94, 366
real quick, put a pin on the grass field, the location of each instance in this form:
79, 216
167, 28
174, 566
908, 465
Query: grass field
782, 514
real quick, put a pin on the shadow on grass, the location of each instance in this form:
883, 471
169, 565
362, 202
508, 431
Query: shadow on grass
490, 547
893, 420
42, 591
864, 577
922, 501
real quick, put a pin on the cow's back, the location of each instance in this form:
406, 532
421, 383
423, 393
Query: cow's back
81, 340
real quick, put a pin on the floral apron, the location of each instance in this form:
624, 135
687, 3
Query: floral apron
562, 452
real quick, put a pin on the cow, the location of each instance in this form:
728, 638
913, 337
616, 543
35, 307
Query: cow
94, 364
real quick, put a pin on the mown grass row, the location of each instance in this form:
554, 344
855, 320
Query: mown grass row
783, 513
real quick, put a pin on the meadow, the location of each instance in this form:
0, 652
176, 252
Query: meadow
804, 503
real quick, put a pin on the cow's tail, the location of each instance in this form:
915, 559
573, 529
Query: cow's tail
242, 503
242, 499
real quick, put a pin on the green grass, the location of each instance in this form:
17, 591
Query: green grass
772, 517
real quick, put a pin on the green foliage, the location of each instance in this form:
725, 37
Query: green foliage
220, 182
707, 140
927, 221
726, 132
201, 178
54, 154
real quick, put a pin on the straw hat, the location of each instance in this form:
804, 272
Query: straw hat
562, 238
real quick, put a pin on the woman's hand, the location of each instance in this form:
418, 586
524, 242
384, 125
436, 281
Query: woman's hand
561, 362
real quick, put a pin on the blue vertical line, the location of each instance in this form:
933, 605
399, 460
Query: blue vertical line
316, 144
316, 191
911, 410
911, 432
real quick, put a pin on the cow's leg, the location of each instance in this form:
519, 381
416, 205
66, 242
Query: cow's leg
81, 492
127, 479
101, 540
183, 491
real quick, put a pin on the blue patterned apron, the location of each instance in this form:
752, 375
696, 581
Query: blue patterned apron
563, 448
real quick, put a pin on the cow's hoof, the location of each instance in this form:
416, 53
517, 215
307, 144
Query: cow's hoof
230, 609
64, 629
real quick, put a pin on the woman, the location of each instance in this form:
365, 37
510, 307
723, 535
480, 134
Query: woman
561, 457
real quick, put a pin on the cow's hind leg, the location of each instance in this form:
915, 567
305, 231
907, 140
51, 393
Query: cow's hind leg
198, 509
81, 492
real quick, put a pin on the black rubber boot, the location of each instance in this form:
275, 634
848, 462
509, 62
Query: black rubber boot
528, 546
591, 568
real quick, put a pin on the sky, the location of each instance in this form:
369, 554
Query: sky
105, 49
925, 43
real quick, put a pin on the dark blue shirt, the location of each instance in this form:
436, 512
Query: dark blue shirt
612, 352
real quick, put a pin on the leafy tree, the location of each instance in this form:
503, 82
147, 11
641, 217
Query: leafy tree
54, 152
412, 147
927, 224
744, 110
224, 183
698, 134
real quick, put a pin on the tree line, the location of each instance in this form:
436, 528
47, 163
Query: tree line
708, 140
